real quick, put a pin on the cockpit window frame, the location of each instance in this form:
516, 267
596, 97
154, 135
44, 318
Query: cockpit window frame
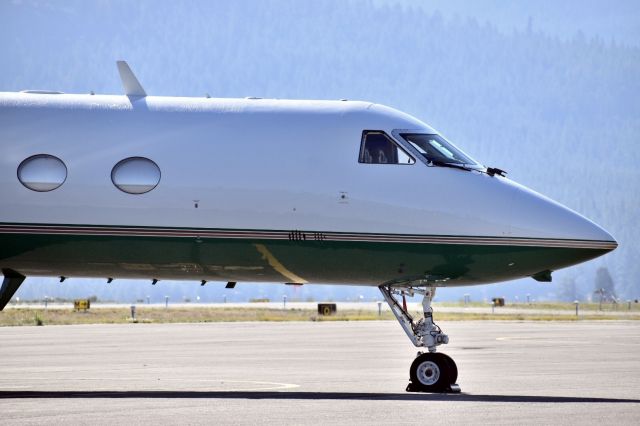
407, 146
401, 147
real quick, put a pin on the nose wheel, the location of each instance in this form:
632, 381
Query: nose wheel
431, 371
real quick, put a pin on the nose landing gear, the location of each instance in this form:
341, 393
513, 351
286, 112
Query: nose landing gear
431, 371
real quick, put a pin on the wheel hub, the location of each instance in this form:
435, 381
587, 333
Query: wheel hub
428, 373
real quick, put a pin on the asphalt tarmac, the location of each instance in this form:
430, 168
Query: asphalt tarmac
317, 373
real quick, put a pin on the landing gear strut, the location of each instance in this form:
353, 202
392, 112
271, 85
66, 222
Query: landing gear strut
430, 371
10, 284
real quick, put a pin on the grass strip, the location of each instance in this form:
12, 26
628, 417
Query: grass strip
30, 316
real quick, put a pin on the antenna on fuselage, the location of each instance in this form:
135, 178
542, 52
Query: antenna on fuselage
132, 86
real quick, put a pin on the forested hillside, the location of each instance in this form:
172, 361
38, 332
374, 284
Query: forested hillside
560, 114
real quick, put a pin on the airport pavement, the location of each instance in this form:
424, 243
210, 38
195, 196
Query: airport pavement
317, 373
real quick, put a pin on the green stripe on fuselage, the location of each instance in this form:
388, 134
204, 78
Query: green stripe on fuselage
219, 259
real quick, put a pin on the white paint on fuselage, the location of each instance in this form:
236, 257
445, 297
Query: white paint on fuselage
254, 164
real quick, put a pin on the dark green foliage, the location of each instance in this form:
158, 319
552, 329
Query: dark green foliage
604, 284
568, 289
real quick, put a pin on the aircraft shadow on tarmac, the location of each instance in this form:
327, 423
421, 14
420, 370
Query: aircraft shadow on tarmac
69, 394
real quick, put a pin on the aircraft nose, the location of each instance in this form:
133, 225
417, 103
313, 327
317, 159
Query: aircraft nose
536, 216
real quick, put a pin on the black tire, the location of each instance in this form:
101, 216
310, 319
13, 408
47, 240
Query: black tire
430, 373
453, 368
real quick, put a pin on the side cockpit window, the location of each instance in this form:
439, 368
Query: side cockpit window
378, 148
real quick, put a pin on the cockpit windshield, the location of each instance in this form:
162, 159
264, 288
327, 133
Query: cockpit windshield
438, 151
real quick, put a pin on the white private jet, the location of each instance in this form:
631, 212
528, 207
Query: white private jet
265, 190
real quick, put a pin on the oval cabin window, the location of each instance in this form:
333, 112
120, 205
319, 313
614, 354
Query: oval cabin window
42, 172
135, 175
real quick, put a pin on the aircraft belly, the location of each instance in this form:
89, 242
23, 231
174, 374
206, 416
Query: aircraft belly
282, 257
